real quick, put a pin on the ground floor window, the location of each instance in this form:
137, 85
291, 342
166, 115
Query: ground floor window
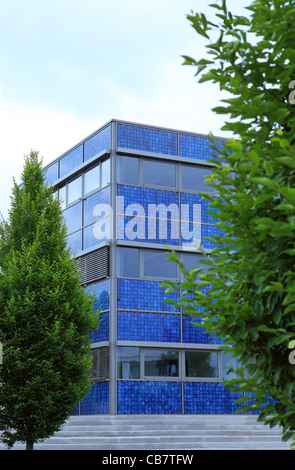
128, 363
161, 363
165, 363
201, 364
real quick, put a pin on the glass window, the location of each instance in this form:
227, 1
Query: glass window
194, 261
127, 169
89, 240
96, 233
161, 363
159, 173
128, 262
229, 362
193, 178
91, 180
96, 206
73, 217
155, 264
101, 291
105, 173
128, 363
62, 195
201, 364
74, 242
74, 190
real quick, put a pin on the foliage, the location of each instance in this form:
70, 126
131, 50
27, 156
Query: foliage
248, 294
45, 315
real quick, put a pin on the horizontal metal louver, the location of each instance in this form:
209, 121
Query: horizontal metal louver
100, 364
94, 265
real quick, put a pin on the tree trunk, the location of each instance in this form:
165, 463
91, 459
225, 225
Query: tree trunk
29, 445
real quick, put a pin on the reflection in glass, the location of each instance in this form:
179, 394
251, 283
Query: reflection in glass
193, 178
201, 364
96, 206
101, 290
159, 173
161, 363
128, 363
105, 173
73, 217
127, 170
128, 262
74, 242
194, 261
156, 265
91, 180
96, 233
229, 362
74, 190
62, 195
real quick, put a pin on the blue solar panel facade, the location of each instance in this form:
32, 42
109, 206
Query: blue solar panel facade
127, 191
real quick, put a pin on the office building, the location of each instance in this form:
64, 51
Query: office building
127, 191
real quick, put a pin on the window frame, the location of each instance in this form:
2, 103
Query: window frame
159, 377
178, 187
218, 378
119, 163
63, 190
201, 256
157, 186
119, 266
181, 377
153, 277
120, 357
142, 276
92, 191
79, 198
83, 194
211, 191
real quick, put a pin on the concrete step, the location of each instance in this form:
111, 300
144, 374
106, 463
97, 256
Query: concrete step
167, 432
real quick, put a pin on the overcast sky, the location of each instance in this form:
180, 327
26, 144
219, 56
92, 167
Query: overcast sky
69, 66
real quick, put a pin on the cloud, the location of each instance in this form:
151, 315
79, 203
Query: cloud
26, 128
175, 100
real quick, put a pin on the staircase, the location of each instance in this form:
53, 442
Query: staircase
163, 432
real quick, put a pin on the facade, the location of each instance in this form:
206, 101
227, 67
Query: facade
127, 191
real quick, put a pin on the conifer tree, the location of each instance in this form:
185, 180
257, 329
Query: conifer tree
45, 315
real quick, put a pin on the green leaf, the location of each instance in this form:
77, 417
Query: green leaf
267, 182
254, 157
268, 168
277, 315
286, 161
189, 61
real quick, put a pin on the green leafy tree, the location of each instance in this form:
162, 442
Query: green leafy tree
45, 316
248, 293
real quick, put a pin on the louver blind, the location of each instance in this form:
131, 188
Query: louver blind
100, 364
94, 265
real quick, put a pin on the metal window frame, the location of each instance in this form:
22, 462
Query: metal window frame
178, 188
181, 377
143, 277
81, 174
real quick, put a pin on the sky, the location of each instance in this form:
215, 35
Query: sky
69, 66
